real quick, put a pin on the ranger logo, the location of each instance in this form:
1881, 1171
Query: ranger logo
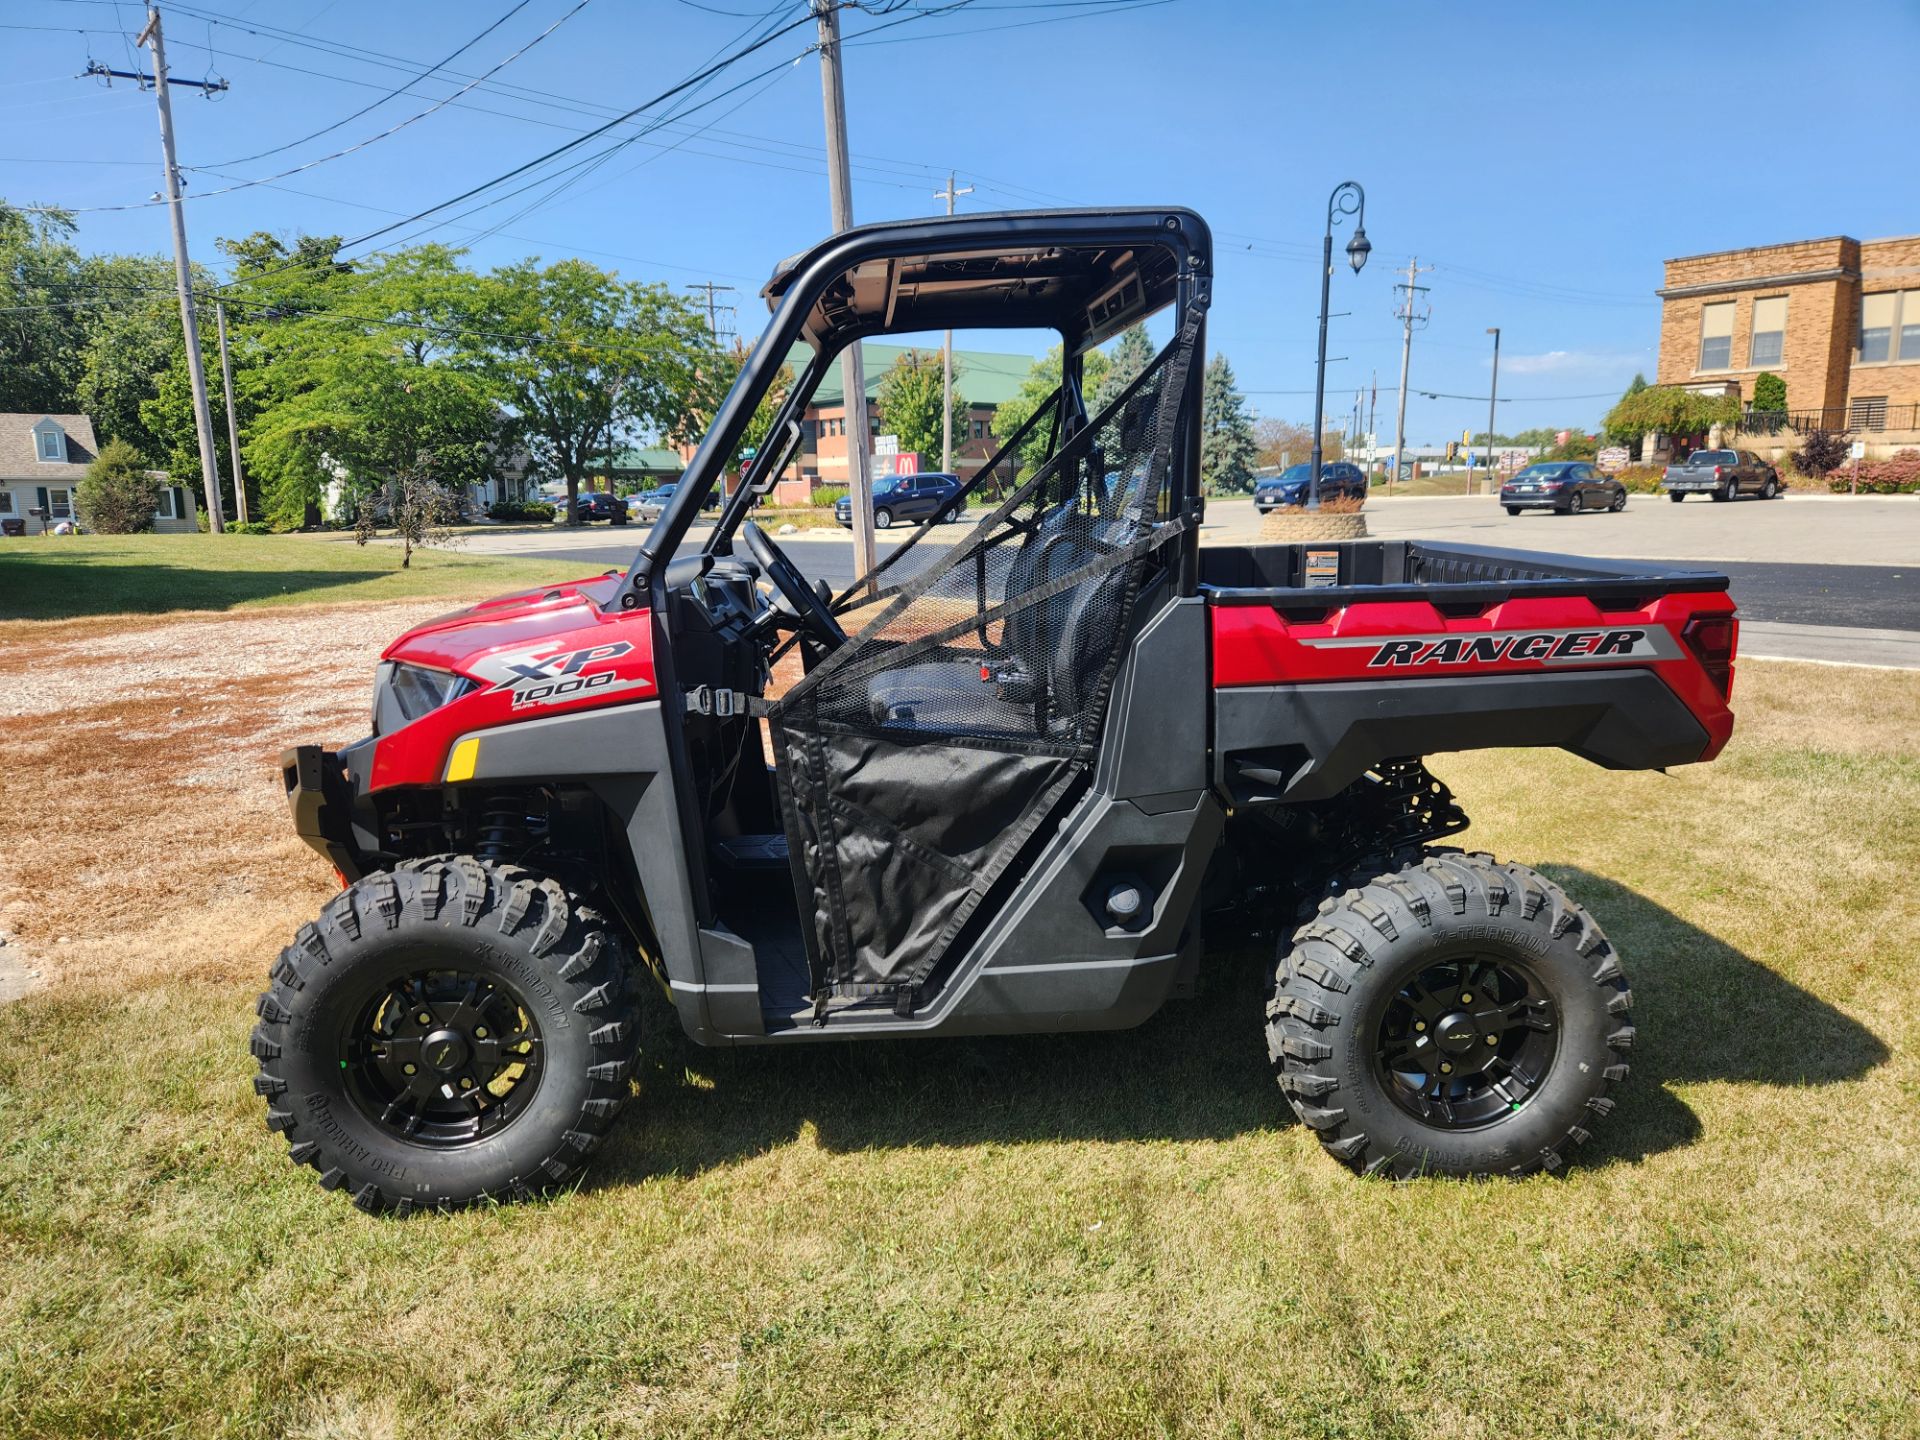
1637, 643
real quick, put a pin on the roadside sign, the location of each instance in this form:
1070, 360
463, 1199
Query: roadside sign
886, 444
1858, 450
1613, 458
906, 462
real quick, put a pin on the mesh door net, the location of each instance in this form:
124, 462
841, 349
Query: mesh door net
918, 758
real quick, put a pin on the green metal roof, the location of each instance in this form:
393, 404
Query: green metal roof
981, 376
644, 457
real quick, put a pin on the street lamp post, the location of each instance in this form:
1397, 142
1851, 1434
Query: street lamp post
1347, 199
1493, 397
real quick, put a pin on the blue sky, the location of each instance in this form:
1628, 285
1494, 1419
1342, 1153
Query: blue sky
1544, 158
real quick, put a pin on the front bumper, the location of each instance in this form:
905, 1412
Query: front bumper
323, 793
1279, 500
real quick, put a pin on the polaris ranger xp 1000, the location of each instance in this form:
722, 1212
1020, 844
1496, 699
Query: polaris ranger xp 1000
1011, 798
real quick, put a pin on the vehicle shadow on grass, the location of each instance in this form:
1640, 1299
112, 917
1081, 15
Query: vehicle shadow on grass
1703, 1011
63, 588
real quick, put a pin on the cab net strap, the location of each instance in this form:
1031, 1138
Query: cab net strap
852, 598
917, 761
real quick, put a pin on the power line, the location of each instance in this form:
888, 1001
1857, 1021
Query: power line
391, 94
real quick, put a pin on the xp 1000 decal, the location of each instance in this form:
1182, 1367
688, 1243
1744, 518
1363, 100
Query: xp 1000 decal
533, 678
1632, 644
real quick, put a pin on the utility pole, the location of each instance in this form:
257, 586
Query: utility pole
713, 311
233, 421
151, 38
1493, 396
853, 374
1407, 316
946, 351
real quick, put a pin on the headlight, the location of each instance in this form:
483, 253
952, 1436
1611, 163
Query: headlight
404, 693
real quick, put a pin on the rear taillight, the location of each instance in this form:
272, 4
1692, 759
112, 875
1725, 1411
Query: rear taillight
1716, 472
1712, 639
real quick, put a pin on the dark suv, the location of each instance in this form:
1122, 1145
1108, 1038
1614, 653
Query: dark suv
906, 497
1339, 480
593, 506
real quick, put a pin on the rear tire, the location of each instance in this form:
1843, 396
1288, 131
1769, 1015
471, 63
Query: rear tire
1577, 504
1341, 1025
1725, 492
1675, 497
502, 999
1513, 509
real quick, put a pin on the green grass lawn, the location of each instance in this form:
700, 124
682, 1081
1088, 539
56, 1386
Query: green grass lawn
1104, 1235
54, 577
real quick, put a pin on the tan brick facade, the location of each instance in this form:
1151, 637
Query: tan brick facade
1822, 283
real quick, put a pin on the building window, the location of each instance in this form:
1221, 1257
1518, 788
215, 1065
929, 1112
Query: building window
1867, 412
1716, 336
979, 429
59, 504
6, 502
1876, 327
1768, 344
169, 508
1910, 325
53, 445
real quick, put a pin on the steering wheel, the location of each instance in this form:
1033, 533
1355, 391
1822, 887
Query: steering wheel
808, 608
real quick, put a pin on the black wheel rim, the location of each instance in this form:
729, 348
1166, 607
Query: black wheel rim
443, 1057
1465, 1043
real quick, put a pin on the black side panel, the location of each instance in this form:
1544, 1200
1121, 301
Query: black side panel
1318, 739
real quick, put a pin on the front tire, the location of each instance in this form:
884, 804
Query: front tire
446, 1033
1770, 489
1455, 1016
1619, 502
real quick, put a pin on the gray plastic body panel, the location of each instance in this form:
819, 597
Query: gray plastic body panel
1050, 960
1329, 733
620, 753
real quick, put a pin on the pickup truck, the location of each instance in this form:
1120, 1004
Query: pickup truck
1019, 784
1723, 474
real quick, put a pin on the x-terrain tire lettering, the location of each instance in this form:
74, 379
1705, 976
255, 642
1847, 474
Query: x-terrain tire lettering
1453, 1016
452, 1030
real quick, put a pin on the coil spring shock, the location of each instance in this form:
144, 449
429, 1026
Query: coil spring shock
503, 829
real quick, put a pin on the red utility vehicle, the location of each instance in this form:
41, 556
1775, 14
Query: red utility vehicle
1055, 752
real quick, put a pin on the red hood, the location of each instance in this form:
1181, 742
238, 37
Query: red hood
454, 641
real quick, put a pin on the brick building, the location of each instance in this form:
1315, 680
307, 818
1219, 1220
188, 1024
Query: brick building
1837, 319
985, 380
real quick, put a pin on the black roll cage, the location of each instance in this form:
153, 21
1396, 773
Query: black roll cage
1086, 274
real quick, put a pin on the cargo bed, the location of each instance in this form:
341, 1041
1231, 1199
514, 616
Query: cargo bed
1309, 577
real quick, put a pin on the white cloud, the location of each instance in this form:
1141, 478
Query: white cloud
1570, 362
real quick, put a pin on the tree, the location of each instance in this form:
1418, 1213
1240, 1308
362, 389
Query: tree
1669, 410
716, 374
1132, 353
908, 401
1769, 393
1227, 447
1821, 453
581, 357
118, 496
1042, 380
42, 305
416, 502
373, 385
1281, 442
